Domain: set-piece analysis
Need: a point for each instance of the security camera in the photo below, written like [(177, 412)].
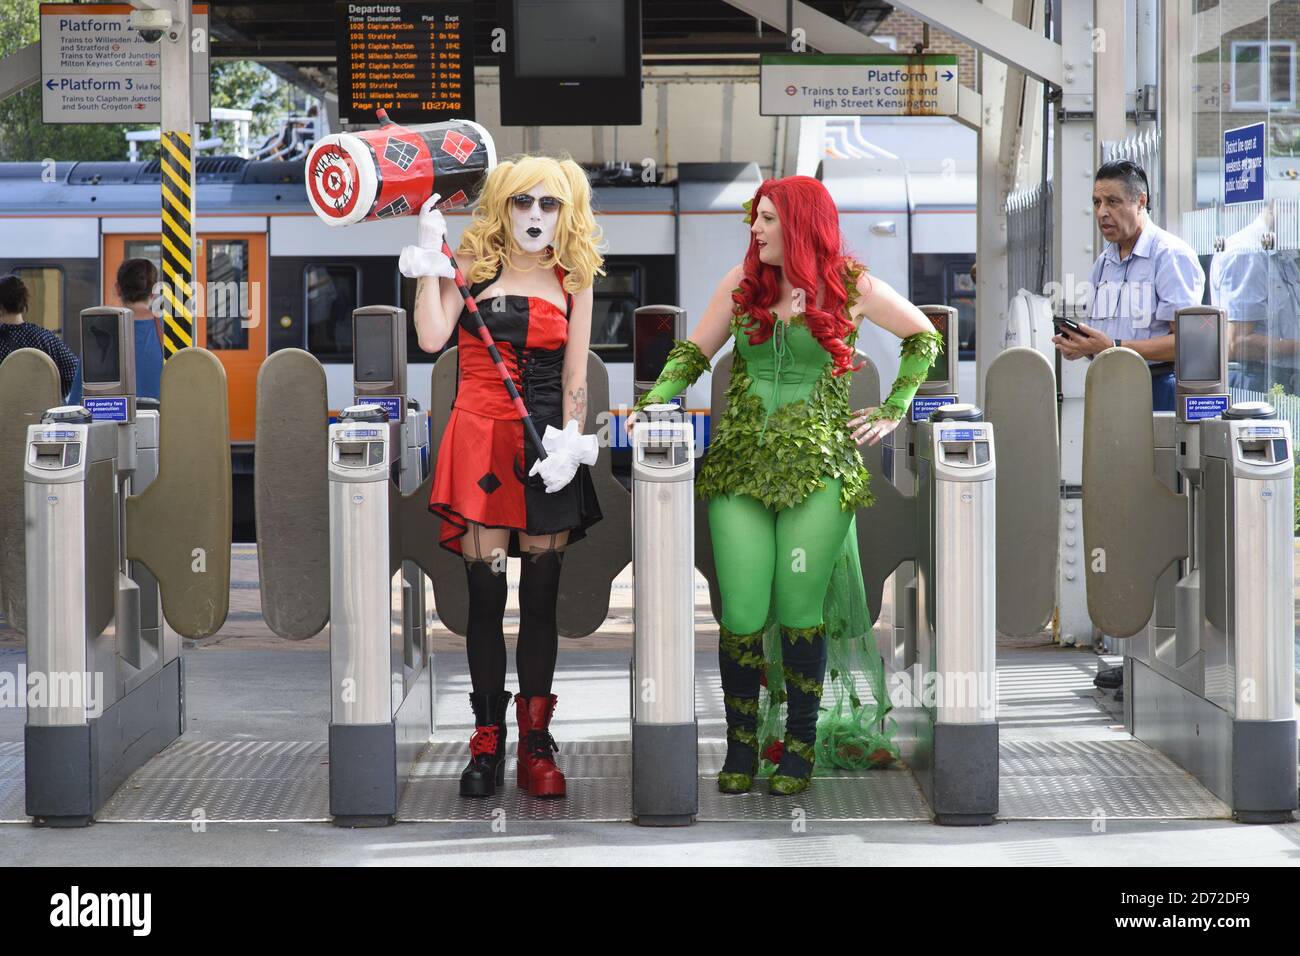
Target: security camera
[(150, 24)]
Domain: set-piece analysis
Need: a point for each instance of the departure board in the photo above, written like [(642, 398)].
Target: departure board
[(414, 60)]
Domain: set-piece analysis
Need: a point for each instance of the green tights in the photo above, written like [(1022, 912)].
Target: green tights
[(754, 546)]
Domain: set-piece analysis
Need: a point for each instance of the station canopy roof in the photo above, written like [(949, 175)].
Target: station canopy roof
[(296, 40)]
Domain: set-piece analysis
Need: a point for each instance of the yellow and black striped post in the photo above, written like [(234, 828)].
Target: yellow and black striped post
[(177, 241)]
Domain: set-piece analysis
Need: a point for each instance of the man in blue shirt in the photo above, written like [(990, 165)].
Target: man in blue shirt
[(135, 282), (1142, 277)]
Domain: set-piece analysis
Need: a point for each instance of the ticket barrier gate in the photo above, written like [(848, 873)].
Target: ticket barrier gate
[(341, 536), (586, 579), (945, 520), (1188, 530), (119, 560)]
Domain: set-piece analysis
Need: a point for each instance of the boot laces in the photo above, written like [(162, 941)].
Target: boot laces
[(540, 744), (484, 742)]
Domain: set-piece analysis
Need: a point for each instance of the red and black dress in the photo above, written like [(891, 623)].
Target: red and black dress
[(483, 461)]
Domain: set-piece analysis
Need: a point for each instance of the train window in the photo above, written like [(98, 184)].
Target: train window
[(150, 249), (227, 293), (45, 296), (615, 299), (330, 293)]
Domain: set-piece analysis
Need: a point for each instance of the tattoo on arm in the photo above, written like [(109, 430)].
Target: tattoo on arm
[(578, 405)]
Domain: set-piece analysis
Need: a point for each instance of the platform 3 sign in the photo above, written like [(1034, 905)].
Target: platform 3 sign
[(875, 85), (96, 69)]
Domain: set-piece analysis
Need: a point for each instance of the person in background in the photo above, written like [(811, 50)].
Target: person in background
[(17, 333), (135, 281), (1142, 277)]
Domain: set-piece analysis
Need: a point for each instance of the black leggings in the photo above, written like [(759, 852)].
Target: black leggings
[(484, 550)]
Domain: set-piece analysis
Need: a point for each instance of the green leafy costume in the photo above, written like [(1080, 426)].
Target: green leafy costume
[(784, 480)]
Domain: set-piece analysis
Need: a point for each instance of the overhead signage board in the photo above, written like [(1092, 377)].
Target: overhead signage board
[(806, 84), (96, 69), (414, 60), (1243, 164)]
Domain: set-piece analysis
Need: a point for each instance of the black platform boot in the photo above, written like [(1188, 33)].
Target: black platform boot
[(803, 658), (487, 748)]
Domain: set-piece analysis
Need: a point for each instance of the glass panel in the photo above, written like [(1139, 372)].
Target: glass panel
[(1245, 74), (1282, 75), (149, 249), (330, 296), (44, 296), (615, 299), (227, 293)]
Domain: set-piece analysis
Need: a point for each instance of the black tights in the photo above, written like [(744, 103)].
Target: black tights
[(539, 584)]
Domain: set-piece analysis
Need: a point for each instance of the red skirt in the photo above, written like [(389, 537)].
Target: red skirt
[(481, 475)]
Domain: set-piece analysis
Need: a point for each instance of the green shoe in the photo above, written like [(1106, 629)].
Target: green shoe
[(735, 782), (783, 786), (796, 755)]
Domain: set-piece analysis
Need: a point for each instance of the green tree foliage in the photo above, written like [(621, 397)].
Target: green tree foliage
[(24, 137)]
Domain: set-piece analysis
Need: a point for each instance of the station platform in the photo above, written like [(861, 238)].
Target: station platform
[(254, 759)]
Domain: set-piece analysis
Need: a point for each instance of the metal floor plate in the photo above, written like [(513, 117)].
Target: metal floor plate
[(600, 789), (1098, 779), (13, 796), (243, 781), (256, 781)]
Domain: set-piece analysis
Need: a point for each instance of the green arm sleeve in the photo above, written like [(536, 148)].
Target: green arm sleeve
[(684, 365), (919, 352)]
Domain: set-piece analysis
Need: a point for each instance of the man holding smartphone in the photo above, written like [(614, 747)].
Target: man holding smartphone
[(1143, 275)]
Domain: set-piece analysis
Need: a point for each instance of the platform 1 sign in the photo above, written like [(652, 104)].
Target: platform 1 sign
[(874, 85), (96, 69)]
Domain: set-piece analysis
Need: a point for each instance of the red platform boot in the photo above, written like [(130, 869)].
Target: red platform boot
[(538, 773)]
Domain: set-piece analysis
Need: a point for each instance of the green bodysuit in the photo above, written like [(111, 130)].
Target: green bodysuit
[(784, 479)]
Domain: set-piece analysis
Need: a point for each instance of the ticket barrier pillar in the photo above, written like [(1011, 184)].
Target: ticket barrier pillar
[(1198, 577), (119, 563), (336, 528), (665, 735)]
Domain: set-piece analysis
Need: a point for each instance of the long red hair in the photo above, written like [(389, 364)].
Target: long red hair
[(814, 257)]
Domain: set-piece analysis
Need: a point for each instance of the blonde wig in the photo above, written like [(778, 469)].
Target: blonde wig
[(576, 248)]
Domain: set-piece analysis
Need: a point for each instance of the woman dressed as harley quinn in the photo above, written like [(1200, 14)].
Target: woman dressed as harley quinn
[(784, 479), (531, 256)]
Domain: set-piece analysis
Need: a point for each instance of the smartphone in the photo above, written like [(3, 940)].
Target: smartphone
[(1066, 326)]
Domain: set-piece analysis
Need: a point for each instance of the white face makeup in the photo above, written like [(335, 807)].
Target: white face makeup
[(531, 226)]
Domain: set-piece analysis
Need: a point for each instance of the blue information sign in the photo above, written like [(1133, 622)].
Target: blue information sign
[(923, 406), (106, 409), (391, 404), (1199, 407), (1243, 164)]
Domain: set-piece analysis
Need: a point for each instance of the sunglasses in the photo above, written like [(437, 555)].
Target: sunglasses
[(524, 202)]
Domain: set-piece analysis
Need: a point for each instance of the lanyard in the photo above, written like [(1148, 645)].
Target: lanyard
[(1118, 298)]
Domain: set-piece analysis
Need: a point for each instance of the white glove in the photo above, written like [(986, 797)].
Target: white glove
[(565, 451), (583, 449), (427, 258)]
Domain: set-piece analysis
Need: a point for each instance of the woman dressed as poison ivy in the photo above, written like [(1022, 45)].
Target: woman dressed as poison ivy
[(784, 479)]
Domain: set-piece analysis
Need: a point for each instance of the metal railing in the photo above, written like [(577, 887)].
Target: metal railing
[(1029, 239)]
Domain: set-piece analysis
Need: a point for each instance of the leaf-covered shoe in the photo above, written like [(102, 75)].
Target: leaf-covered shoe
[(738, 769), (794, 773)]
